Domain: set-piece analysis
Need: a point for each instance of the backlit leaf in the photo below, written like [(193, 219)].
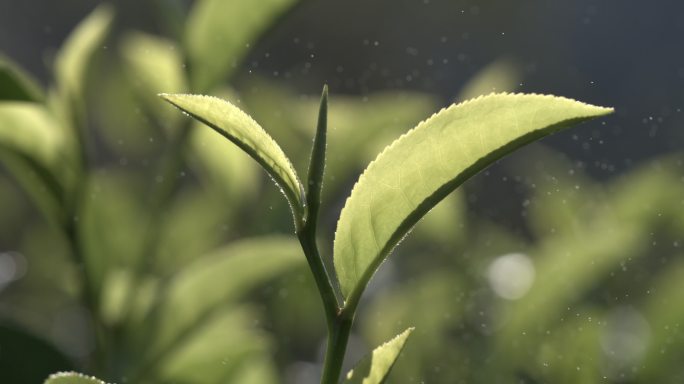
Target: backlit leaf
[(30, 129), (195, 292), (241, 129), (373, 369), (72, 378), (423, 166)]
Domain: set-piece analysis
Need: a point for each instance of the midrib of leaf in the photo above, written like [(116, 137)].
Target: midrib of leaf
[(353, 284)]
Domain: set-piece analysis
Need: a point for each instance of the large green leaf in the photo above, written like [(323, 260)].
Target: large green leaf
[(241, 129), (15, 84), (373, 369), (219, 34), (72, 378), (71, 64), (423, 166)]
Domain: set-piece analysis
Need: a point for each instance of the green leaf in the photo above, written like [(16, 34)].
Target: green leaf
[(154, 65), (219, 34), (216, 350), (241, 129), (194, 294), (423, 166), (45, 191), (72, 378), (31, 147), (15, 84), (71, 64), (373, 369), (358, 128), (30, 129)]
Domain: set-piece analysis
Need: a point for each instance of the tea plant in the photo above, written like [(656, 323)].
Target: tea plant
[(404, 182)]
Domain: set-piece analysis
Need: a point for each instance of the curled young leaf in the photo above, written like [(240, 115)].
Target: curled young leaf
[(423, 166)]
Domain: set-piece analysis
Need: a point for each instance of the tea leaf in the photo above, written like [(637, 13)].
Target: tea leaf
[(219, 34), (72, 378), (224, 167), (502, 75), (193, 294), (154, 65), (241, 129), (30, 129), (217, 349), (15, 84), (71, 64), (30, 147), (423, 166), (373, 369)]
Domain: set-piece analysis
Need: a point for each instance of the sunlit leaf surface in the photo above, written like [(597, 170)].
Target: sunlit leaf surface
[(72, 378), (419, 169), (373, 369), (238, 127)]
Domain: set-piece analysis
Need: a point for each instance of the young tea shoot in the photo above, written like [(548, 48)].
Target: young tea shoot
[(396, 190)]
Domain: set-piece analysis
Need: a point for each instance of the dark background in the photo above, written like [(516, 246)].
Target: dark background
[(624, 54)]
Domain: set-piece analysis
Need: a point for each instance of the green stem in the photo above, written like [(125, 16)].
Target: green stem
[(338, 335), (307, 239)]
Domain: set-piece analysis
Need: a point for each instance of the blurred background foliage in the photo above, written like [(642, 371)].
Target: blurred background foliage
[(139, 248)]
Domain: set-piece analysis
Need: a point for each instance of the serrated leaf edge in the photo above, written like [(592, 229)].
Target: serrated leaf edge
[(404, 335), (72, 374), (300, 199), (362, 177)]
